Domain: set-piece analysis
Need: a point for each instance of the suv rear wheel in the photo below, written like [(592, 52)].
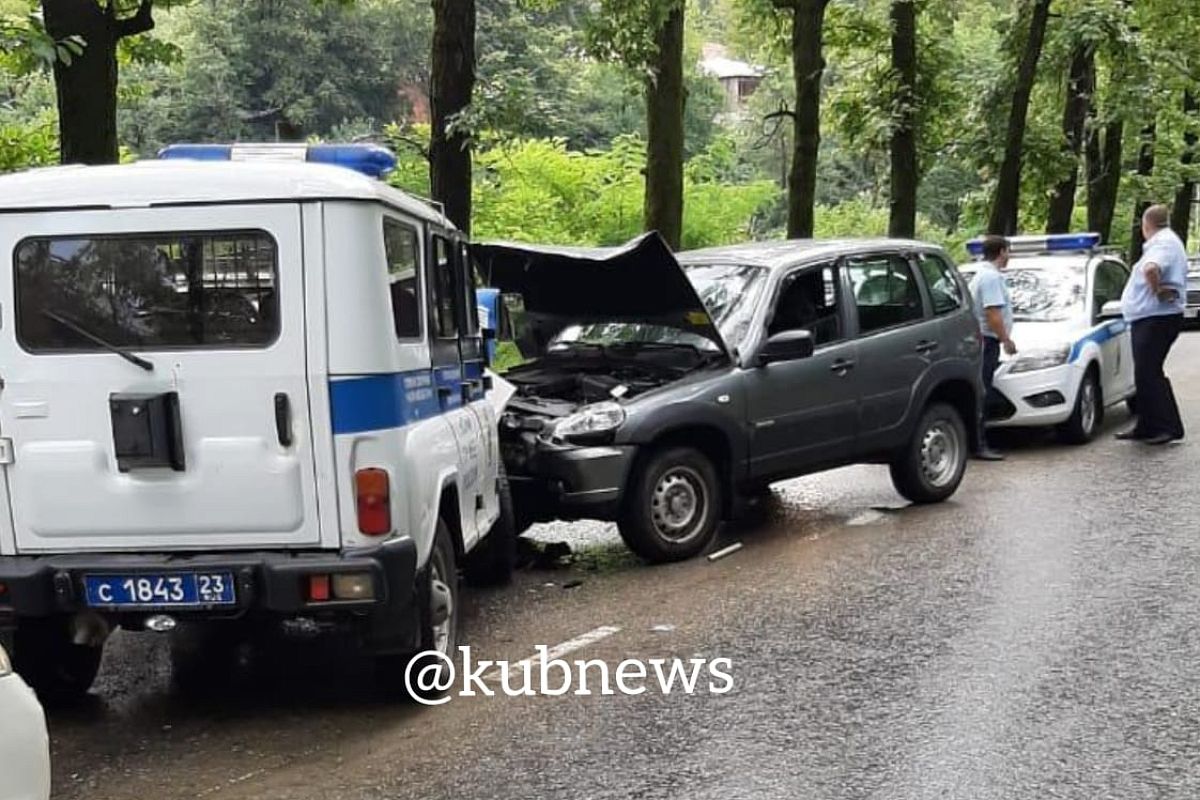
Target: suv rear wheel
[(931, 466), (673, 507), (59, 670)]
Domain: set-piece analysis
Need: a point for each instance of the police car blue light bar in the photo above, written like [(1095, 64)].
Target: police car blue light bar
[(1050, 243), (369, 159)]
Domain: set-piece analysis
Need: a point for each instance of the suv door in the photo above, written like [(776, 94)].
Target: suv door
[(898, 340), (804, 414)]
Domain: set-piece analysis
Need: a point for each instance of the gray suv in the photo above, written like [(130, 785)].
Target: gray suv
[(663, 390)]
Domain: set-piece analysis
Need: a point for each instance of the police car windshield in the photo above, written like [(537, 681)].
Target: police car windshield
[(1045, 289), (729, 293)]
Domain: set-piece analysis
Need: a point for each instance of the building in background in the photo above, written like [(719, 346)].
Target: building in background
[(738, 78)]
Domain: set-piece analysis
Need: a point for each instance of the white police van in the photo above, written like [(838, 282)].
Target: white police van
[(1074, 357), (242, 392)]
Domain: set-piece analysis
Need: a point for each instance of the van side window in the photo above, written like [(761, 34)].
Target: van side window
[(809, 302), (467, 271), (944, 288), (148, 291), (444, 292), (885, 292), (400, 246)]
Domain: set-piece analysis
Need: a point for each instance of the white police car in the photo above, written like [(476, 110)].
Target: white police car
[(242, 393), (1074, 358)]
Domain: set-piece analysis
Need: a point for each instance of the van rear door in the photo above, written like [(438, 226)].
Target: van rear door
[(154, 387)]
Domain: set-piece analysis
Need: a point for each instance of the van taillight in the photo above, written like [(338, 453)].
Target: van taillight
[(373, 495)]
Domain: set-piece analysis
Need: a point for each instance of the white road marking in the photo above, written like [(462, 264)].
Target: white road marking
[(569, 646)]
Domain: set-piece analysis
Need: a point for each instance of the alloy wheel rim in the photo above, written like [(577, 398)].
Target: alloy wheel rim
[(679, 504), (1087, 406), (940, 454), (441, 601)]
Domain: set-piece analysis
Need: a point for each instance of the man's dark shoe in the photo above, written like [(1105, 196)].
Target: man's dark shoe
[(1160, 438), (1131, 435), (988, 454)]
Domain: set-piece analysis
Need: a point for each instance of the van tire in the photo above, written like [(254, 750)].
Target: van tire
[(491, 562), (391, 669), (649, 516), (919, 472), (60, 671)]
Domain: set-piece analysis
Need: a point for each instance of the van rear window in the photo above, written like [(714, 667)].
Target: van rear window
[(147, 291)]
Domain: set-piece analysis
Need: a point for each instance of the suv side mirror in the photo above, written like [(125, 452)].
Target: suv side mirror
[(1111, 310), (786, 346)]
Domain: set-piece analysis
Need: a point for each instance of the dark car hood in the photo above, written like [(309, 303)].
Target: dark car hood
[(561, 286)]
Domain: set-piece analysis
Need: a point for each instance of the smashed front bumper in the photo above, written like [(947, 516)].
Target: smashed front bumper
[(552, 480)]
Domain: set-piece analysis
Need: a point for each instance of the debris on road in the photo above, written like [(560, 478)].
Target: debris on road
[(725, 551)]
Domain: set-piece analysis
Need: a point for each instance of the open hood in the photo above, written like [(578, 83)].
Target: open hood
[(561, 286)]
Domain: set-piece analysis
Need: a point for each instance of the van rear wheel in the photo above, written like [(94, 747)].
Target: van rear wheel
[(930, 467), (438, 611), (674, 506), (59, 670)]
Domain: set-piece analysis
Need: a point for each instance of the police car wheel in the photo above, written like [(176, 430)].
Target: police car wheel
[(438, 602), (59, 670), (491, 562), (1083, 424), (930, 467), (673, 508)]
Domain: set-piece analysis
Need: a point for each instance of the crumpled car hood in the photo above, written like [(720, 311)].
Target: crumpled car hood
[(641, 281)]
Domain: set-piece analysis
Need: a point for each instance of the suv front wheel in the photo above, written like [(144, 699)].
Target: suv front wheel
[(931, 466), (673, 507)]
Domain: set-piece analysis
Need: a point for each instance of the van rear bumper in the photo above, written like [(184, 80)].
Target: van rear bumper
[(267, 583)]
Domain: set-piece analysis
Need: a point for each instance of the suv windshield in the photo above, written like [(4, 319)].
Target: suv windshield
[(1045, 295), (729, 293)]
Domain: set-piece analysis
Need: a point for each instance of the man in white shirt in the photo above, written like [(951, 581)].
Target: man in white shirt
[(993, 311), (1153, 304)]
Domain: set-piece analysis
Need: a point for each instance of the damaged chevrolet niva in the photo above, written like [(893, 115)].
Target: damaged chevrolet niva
[(660, 392)]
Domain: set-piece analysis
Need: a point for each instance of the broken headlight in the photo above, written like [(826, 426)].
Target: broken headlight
[(590, 420)]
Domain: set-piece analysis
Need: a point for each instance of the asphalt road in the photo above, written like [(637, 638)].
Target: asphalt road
[(1036, 637)]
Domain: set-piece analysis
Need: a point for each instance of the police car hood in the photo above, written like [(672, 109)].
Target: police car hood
[(639, 282), (1036, 336)]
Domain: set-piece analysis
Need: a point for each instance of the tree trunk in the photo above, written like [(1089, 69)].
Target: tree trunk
[(1081, 84), (1145, 168), (1006, 203), (452, 79), (1104, 176), (808, 64), (902, 219), (86, 89), (1181, 212), (665, 97)]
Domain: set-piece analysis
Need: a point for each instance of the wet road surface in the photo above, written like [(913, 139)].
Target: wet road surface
[(1035, 637)]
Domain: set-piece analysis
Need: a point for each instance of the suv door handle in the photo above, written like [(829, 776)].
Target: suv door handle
[(283, 419), (842, 366), (926, 346)]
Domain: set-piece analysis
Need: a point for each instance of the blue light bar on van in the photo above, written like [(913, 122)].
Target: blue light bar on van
[(369, 159), (1051, 243)]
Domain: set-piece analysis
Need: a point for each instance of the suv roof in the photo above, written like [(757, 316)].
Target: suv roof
[(183, 182), (780, 254)]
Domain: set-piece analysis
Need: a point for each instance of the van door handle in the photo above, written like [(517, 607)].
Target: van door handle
[(926, 346), (842, 366), (283, 419)]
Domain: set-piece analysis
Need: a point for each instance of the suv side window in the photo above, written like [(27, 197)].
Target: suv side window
[(445, 295), (885, 292), (945, 291), (401, 248), (809, 301), (467, 272)]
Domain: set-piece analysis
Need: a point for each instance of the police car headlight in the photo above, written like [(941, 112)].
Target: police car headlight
[(1040, 359), (589, 420)]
